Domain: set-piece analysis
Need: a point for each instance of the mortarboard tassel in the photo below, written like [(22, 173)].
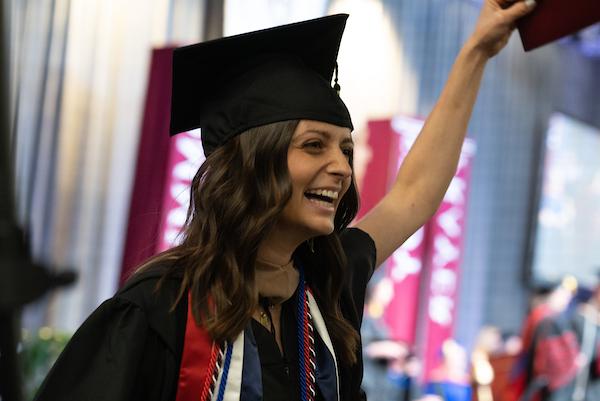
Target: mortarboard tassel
[(336, 86)]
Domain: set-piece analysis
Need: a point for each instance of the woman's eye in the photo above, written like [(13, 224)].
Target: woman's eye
[(313, 145), (348, 152)]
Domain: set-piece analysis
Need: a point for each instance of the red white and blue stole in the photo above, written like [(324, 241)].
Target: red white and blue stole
[(232, 371)]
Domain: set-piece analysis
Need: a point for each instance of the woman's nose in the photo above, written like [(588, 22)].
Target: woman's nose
[(340, 164)]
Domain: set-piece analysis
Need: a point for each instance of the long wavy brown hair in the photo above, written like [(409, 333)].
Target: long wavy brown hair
[(237, 196)]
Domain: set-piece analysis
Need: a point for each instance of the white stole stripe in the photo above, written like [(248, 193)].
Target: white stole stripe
[(233, 387), (322, 330)]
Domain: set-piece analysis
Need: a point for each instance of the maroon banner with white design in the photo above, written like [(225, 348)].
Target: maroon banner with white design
[(404, 267), (151, 173), (185, 158), (403, 270), (381, 166), (429, 259), (444, 256), (165, 168), (389, 142)]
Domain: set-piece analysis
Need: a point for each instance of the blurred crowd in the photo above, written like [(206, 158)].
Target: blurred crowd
[(555, 357)]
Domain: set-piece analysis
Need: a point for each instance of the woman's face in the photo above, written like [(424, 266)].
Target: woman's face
[(319, 167)]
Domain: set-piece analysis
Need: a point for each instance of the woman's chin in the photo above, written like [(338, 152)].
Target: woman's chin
[(320, 228)]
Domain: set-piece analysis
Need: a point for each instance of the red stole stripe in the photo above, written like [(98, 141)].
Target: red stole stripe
[(195, 359)]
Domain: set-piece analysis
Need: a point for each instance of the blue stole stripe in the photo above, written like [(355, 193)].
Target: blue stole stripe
[(326, 379), (225, 371), (251, 377)]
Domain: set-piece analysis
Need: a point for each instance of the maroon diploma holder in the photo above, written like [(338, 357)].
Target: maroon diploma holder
[(553, 19)]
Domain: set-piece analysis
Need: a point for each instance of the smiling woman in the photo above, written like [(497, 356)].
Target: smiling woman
[(263, 299), (319, 162)]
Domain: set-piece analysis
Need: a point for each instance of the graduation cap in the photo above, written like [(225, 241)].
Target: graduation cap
[(229, 85)]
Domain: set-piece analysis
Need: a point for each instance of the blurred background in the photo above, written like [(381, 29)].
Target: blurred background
[(99, 186)]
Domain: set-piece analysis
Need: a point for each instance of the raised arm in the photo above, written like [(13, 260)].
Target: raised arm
[(431, 163)]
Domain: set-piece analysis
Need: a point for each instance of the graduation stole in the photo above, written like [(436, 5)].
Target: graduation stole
[(232, 371)]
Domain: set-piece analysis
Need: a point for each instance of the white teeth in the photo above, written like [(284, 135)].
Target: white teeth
[(324, 192), (322, 203)]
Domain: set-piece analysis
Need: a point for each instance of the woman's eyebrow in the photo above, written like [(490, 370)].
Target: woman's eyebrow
[(327, 135), (317, 131), (347, 140)]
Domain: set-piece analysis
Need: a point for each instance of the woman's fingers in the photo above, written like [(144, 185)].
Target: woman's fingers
[(519, 9), (506, 3), (497, 21)]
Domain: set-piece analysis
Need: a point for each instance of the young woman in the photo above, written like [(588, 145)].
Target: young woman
[(263, 298)]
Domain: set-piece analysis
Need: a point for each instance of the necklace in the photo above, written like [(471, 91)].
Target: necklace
[(264, 319), (221, 353), (275, 265), (265, 314)]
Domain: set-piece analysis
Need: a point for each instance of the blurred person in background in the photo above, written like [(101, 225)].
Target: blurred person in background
[(263, 298), (377, 349), (405, 374), (549, 357), (451, 380), (492, 361), (586, 324), (392, 370), (488, 345), (385, 356)]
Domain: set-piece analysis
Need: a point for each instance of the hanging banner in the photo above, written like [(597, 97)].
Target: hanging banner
[(429, 260), (185, 158), (389, 142), (383, 148), (444, 256), (164, 170), (404, 267), (151, 169)]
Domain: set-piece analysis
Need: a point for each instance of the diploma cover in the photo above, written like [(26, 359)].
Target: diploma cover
[(553, 19)]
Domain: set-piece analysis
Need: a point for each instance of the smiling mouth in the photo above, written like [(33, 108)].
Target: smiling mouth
[(322, 197)]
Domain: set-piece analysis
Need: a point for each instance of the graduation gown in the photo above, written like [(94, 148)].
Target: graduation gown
[(130, 348), (548, 365)]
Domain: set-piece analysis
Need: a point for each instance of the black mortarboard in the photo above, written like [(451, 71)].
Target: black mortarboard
[(229, 85)]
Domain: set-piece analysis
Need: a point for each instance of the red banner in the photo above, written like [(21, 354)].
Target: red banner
[(165, 169), (185, 158), (429, 259), (381, 167), (444, 256), (389, 142), (151, 172), (404, 267)]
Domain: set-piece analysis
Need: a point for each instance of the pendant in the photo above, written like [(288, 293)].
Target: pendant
[(264, 320)]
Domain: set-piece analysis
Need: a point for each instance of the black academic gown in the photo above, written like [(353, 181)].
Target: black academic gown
[(130, 348)]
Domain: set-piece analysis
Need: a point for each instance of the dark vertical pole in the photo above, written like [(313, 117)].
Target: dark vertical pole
[(10, 378), (6, 196), (213, 20)]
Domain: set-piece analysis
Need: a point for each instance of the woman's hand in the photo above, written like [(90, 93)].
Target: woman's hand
[(496, 22)]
